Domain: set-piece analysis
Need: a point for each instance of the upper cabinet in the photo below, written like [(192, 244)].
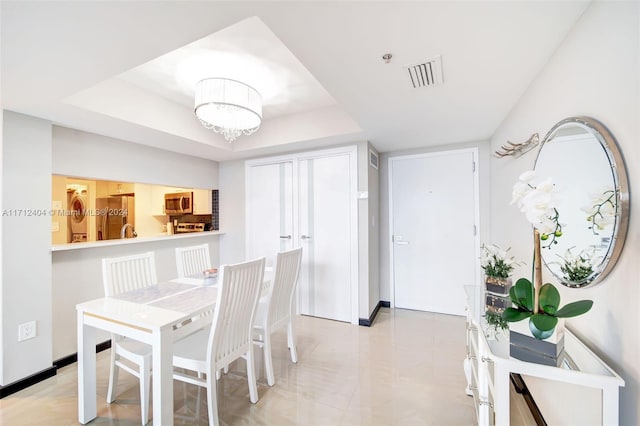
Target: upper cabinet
[(157, 200), (202, 201), (120, 188)]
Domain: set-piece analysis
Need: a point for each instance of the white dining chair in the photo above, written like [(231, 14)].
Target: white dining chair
[(192, 260), (121, 274), (276, 309), (208, 351)]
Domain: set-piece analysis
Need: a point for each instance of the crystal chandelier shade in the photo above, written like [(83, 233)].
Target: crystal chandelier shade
[(228, 107)]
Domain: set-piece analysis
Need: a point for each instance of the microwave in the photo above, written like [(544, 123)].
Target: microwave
[(178, 203)]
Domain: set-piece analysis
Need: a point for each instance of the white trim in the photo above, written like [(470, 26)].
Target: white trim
[(125, 241), (476, 201), (352, 150)]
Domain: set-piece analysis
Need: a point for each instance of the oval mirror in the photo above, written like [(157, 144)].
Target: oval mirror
[(586, 166)]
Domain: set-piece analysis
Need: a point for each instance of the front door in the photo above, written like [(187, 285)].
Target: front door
[(434, 227)]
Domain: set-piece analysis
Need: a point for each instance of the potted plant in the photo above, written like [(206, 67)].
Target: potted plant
[(495, 324), (577, 268), (535, 301), (497, 265), (542, 321)]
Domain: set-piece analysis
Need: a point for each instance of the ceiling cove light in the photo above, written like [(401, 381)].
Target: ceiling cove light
[(228, 107)]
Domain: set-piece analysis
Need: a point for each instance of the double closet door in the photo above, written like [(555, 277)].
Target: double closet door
[(309, 201)]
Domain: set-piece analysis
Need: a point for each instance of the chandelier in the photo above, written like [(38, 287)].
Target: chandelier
[(228, 107)]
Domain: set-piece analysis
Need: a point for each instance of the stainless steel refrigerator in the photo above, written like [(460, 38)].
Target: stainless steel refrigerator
[(112, 213)]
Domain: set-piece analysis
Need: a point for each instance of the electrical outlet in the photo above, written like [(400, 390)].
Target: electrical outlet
[(27, 331)]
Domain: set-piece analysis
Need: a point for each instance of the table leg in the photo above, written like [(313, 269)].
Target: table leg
[(501, 397), (163, 378), (610, 409), (87, 410)]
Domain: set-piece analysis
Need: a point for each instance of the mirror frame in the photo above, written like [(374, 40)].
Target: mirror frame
[(621, 184)]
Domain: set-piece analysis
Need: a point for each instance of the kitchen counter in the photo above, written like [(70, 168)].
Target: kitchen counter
[(160, 237)]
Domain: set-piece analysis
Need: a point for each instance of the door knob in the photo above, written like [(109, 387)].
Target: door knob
[(305, 237), (285, 237)]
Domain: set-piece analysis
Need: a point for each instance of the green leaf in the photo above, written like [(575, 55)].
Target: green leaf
[(574, 309), (515, 315), (512, 295), (522, 294), (544, 322), (549, 299)]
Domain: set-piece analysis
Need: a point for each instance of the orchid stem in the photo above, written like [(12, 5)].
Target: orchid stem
[(537, 275)]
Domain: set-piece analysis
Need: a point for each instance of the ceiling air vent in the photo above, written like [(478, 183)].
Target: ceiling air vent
[(427, 73)]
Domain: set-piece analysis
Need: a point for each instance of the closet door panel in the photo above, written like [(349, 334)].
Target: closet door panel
[(325, 235), (270, 210)]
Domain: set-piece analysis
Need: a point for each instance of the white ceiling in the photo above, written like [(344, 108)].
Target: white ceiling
[(109, 68)]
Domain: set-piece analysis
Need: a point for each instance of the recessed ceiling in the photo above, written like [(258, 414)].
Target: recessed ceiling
[(110, 68), (247, 51)]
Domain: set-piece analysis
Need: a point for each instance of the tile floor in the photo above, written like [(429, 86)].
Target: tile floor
[(404, 370)]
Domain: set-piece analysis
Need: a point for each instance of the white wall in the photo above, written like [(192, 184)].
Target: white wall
[(374, 231), (595, 72), (33, 149), (484, 154), (26, 239), (368, 270), (82, 154)]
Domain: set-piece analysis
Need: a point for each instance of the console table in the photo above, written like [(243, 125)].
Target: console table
[(488, 367)]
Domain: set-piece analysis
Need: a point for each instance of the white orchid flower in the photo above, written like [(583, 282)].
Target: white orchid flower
[(537, 200), (601, 210), (527, 176)]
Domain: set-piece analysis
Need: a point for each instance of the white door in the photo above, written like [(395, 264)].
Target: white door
[(326, 225), (434, 223), (270, 210)]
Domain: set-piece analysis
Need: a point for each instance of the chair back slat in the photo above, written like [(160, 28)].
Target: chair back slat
[(126, 273), (192, 260), (238, 293), (285, 279)]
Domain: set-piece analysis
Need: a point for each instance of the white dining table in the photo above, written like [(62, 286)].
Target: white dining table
[(157, 315)]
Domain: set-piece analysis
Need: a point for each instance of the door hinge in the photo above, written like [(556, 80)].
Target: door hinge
[(475, 230), (473, 166)]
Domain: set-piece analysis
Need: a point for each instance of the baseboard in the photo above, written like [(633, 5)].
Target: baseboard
[(70, 359), (367, 322), (385, 304), (47, 373), (521, 387), (26, 382)]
